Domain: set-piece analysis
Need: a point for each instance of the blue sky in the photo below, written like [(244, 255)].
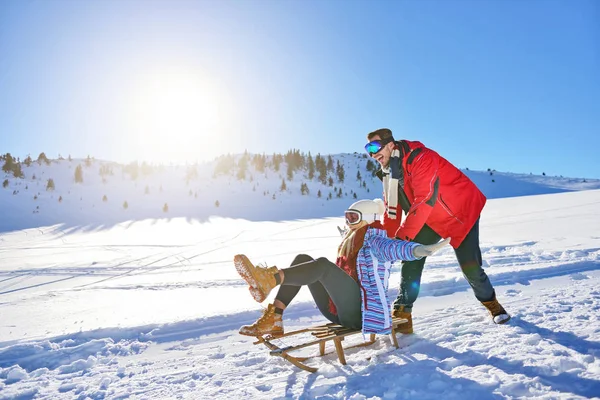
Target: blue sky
[(509, 85)]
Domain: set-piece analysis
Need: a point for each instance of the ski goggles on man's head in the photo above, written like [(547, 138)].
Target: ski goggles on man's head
[(353, 217), (375, 146)]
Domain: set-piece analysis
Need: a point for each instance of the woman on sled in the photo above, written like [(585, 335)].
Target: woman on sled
[(353, 291)]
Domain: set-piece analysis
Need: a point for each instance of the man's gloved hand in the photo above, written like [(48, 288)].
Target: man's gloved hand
[(425, 250)]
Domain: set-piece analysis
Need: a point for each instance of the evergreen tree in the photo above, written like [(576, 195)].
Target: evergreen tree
[(17, 172), (5, 183), (283, 186), (28, 161), (78, 174), (330, 181), (358, 177), (165, 208), (224, 165), (322, 168), (319, 168), (50, 184), (304, 189), (289, 157), (311, 167), (217, 204), (340, 172), (277, 159), (302, 160), (319, 194), (125, 205), (104, 198), (241, 174), (104, 170), (42, 158), (371, 166), (290, 171), (9, 161), (259, 162), (295, 158), (242, 166)]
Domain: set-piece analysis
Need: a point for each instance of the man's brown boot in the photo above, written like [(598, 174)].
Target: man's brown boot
[(269, 324), (498, 313), (405, 327)]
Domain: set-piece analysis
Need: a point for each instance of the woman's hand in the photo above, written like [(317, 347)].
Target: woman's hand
[(425, 250)]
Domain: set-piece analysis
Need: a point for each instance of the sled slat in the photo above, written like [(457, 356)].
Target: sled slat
[(321, 335)]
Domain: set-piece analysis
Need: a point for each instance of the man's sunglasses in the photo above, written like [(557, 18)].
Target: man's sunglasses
[(353, 217), (376, 145)]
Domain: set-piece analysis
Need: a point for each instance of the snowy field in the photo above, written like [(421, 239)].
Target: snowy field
[(151, 308)]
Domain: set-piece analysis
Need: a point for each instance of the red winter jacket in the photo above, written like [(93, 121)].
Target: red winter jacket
[(440, 195)]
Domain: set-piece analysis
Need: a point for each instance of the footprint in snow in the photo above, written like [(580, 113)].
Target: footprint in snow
[(578, 276), (512, 292)]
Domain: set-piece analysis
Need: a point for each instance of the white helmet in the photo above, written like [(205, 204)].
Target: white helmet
[(365, 210)]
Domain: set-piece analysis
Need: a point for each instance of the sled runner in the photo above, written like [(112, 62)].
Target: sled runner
[(320, 336)]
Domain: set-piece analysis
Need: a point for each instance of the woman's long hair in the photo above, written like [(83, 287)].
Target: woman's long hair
[(349, 245)]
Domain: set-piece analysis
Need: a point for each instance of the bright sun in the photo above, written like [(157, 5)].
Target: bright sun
[(174, 114)]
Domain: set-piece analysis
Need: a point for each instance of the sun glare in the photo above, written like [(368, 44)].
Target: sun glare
[(174, 114)]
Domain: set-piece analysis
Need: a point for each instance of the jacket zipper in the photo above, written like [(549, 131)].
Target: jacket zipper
[(443, 203)]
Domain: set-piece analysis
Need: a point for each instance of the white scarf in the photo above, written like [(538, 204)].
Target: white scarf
[(391, 180)]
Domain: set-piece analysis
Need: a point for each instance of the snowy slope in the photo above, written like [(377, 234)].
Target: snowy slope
[(149, 308)]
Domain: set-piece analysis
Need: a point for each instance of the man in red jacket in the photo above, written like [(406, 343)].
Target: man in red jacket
[(438, 201)]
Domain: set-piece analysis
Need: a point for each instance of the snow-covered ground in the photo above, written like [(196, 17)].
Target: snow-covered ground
[(101, 301), (151, 308)]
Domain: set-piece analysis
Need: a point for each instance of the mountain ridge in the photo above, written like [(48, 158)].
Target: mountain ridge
[(215, 189)]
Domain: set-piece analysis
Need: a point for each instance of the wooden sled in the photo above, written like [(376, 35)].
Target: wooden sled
[(320, 336)]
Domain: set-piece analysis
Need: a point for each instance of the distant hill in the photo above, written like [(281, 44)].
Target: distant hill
[(505, 184), (241, 186)]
